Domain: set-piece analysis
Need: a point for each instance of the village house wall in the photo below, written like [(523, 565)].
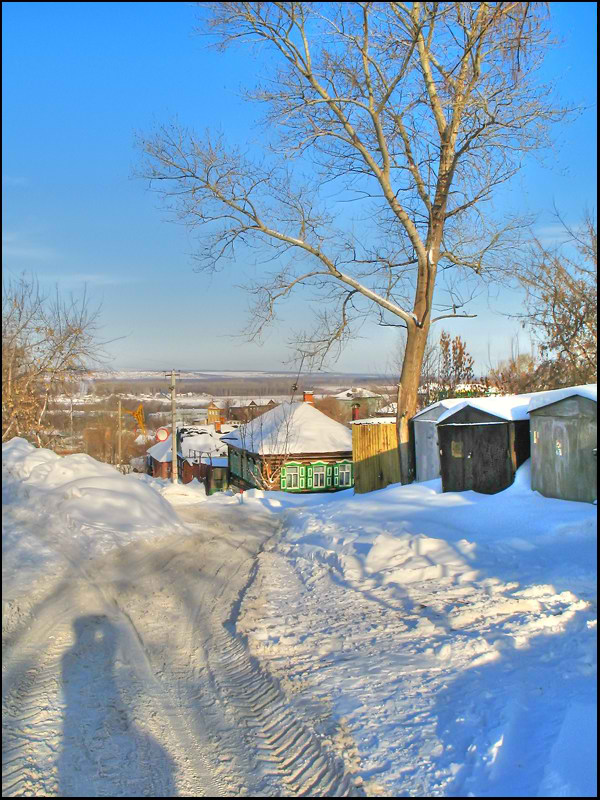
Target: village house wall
[(244, 467)]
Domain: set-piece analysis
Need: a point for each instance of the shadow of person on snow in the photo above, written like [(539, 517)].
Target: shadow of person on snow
[(104, 753)]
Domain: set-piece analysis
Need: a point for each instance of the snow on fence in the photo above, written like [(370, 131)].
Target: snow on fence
[(375, 456)]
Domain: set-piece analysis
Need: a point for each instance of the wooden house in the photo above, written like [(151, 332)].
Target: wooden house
[(564, 442), (293, 447), (482, 442), (215, 412)]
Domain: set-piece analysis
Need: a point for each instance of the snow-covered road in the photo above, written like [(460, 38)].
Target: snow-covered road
[(128, 679), (407, 642)]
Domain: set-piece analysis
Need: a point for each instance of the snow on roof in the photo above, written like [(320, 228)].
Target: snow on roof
[(541, 399), (374, 421), (161, 451), (292, 428), (448, 402), (203, 440), (513, 406), (389, 409), (510, 407)]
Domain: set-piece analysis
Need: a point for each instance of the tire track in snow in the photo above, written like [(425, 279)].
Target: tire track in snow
[(285, 746)]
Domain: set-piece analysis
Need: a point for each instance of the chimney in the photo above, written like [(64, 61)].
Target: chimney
[(218, 425), (355, 411), (308, 397)]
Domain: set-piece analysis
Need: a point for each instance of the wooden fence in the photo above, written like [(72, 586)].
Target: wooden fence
[(375, 456)]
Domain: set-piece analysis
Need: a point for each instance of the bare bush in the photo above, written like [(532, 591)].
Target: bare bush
[(48, 341)]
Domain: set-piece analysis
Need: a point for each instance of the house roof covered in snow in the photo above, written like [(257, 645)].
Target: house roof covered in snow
[(292, 428), (541, 399), (201, 440)]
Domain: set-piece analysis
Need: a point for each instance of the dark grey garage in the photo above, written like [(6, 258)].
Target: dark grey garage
[(480, 449)]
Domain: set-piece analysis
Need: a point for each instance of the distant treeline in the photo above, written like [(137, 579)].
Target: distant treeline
[(221, 387)]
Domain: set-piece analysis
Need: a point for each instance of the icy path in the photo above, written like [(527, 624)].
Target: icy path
[(126, 677)]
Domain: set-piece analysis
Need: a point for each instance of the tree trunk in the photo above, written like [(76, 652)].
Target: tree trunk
[(407, 399)]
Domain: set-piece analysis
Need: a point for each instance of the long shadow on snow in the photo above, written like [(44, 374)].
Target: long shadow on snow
[(103, 752)]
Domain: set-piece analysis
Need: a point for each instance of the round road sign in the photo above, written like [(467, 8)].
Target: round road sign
[(162, 434)]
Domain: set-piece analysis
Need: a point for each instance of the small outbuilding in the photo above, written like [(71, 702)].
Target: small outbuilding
[(564, 443), (482, 442), (427, 449)]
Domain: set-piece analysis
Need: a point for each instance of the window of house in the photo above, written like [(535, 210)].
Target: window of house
[(318, 477), (345, 472), (291, 474)]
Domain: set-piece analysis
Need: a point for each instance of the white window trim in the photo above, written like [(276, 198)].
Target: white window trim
[(294, 473), (345, 469), (318, 471)]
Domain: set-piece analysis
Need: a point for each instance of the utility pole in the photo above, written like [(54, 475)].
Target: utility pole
[(119, 439), (174, 428)]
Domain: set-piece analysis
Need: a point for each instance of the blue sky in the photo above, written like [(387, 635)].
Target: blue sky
[(80, 79)]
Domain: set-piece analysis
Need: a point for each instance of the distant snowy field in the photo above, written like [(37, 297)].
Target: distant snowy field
[(443, 644)]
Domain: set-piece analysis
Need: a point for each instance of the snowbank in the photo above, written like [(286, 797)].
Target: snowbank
[(177, 494), (44, 494)]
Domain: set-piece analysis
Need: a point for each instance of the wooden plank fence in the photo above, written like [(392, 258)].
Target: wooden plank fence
[(375, 456)]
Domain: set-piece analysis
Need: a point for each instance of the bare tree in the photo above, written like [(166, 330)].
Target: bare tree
[(47, 342), (415, 112), (268, 440), (561, 283)]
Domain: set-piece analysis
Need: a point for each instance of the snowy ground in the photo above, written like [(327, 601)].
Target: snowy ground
[(401, 643)]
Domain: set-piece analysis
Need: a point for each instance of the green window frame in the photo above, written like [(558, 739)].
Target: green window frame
[(302, 472)]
